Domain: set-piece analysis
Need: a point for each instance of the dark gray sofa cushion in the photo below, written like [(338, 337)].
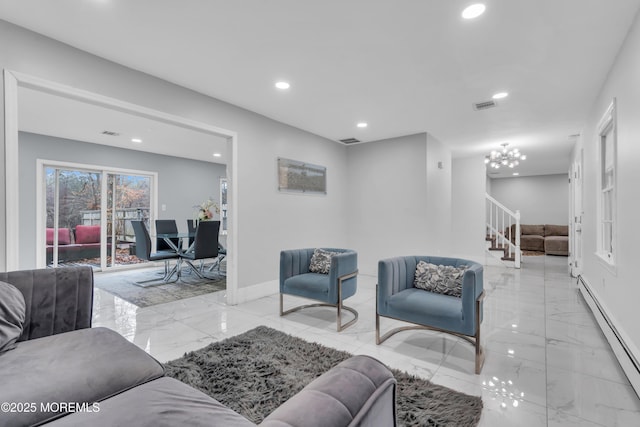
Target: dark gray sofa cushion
[(87, 365), (162, 402), (12, 314), (57, 299)]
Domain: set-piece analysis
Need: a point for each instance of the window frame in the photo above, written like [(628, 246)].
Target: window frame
[(607, 143), (41, 203)]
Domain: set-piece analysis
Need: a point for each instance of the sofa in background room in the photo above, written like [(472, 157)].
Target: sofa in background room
[(547, 238)]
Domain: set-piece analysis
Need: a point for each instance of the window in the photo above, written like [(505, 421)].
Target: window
[(607, 142), (223, 205)]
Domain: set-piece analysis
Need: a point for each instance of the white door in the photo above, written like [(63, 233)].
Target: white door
[(575, 221)]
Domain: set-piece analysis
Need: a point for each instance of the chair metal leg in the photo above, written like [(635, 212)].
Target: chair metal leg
[(197, 271), (478, 346), (339, 306), (165, 278), (474, 340), (194, 269)]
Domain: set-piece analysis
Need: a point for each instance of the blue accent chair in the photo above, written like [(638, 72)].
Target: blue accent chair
[(398, 299), (331, 289)]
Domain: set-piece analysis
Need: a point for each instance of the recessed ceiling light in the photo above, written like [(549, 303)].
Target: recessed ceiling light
[(362, 125), (136, 140), (473, 11), (283, 85), (516, 174), (217, 155), (500, 95)]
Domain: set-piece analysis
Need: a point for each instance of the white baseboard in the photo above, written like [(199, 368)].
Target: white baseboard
[(258, 290), (624, 349)]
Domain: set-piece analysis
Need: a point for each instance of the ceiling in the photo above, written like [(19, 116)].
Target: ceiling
[(403, 66), (46, 114)]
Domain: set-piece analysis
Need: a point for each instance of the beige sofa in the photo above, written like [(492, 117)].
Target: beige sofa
[(547, 238)]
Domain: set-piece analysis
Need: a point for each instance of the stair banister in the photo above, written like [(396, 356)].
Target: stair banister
[(500, 221)]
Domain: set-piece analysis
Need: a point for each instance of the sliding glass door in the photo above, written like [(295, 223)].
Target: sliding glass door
[(89, 212), (128, 198), (73, 198)]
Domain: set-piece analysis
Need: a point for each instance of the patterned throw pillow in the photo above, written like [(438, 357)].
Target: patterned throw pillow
[(321, 261), (12, 316), (442, 279)]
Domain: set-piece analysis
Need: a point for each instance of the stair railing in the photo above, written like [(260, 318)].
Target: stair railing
[(503, 229)]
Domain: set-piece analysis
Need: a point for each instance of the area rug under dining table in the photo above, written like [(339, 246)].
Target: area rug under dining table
[(123, 284), (255, 372)]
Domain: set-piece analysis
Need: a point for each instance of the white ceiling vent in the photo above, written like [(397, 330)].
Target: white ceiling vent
[(110, 133), (349, 141), (484, 105)]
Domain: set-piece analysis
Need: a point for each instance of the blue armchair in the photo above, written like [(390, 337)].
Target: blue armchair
[(397, 298), (332, 288)]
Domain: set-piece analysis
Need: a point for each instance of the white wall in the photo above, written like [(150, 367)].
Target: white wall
[(468, 208), (399, 200), (618, 291), (268, 221), (387, 207), (438, 197), (177, 189), (540, 199)]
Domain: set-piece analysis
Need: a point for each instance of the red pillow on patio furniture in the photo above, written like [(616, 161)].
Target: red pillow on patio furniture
[(64, 236), (88, 234)]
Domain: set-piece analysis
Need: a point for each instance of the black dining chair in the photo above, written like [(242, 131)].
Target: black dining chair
[(222, 254), (191, 228), (166, 226), (143, 251), (205, 245)]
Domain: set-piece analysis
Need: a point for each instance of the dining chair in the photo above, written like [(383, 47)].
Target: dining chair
[(166, 226), (191, 228), (143, 251), (222, 254), (205, 245)]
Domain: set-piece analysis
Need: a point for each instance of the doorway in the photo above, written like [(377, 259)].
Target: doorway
[(15, 80), (576, 212)]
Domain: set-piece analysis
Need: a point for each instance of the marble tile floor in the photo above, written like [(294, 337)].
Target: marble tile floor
[(547, 362)]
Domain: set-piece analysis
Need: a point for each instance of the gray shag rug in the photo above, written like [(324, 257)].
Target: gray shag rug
[(256, 372), (122, 284)]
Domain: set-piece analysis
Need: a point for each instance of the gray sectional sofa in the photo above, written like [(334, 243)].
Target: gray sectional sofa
[(63, 372)]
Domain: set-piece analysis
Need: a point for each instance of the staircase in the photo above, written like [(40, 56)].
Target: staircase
[(503, 232)]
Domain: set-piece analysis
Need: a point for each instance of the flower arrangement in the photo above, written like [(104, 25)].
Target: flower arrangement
[(205, 210)]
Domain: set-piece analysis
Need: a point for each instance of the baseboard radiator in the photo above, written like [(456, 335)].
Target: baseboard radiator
[(625, 355)]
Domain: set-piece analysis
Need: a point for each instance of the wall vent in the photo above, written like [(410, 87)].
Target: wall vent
[(110, 133), (484, 105), (349, 141)]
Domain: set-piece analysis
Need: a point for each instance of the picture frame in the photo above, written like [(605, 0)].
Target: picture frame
[(300, 177)]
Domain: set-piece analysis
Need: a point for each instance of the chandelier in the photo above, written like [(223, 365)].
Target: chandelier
[(504, 157)]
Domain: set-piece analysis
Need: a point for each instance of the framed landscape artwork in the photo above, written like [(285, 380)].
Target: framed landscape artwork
[(300, 177)]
